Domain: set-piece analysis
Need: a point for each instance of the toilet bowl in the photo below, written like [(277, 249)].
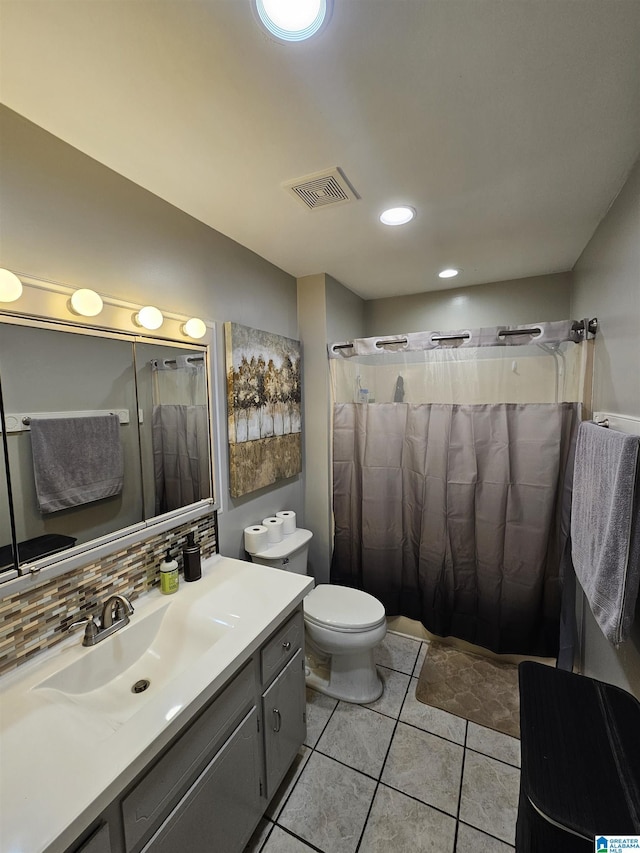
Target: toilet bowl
[(343, 626)]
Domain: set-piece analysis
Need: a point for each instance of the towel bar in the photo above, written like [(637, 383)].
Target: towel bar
[(19, 422), (623, 423)]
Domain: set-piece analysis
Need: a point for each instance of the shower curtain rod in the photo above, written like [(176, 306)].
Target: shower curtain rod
[(189, 358), (577, 326)]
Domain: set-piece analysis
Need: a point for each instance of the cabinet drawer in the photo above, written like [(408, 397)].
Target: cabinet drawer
[(282, 647), (148, 803)]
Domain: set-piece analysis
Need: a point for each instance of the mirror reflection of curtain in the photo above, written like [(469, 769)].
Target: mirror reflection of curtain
[(180, 432), (452, 507)]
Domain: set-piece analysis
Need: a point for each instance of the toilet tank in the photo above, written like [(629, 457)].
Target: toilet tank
[(291, 554)]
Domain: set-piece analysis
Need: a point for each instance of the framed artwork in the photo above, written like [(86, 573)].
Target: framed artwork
[(263, 408)]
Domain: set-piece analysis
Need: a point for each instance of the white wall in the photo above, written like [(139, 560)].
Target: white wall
[(607, 285), (67, 218)]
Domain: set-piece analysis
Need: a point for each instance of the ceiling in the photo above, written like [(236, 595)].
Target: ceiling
[(509, 125)]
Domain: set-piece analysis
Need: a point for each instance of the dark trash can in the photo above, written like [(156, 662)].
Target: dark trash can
[(580, 775)]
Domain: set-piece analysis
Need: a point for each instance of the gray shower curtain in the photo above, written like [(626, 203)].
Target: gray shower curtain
[(180, 431), (457, 515), (180, 455)]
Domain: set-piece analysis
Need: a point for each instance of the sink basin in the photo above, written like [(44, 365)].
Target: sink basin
[(116, 677)]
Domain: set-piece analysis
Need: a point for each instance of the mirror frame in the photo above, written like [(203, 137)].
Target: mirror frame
[(78, 555)]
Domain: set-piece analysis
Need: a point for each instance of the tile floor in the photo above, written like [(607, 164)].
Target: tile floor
[(394, 776)]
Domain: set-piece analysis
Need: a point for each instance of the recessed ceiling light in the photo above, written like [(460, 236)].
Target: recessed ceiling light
[(293, 20), (397, 215), (448, 273)]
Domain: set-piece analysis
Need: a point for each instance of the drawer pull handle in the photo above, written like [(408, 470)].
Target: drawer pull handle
[(286, 645), (277, 720)]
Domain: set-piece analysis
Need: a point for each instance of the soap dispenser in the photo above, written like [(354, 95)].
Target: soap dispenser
[(169, 575), (191, 560)]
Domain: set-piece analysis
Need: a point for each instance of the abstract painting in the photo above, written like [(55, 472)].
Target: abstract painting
[(263, 408)]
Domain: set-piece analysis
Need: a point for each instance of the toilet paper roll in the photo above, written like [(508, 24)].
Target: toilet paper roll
[(289, 518), (255, 538), (274, 529)]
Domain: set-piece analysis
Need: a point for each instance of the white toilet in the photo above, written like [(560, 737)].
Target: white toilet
[(342, 627)]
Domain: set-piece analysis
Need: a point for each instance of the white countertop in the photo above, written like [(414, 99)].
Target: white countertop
[(62, 763)]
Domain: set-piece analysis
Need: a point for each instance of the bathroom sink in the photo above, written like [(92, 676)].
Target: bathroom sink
[(116, 677)]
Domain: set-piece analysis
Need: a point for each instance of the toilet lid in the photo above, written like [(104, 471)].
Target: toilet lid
[(343, 608)]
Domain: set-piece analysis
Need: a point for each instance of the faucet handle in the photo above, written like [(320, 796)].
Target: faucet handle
[(123, 607), (91, 630)]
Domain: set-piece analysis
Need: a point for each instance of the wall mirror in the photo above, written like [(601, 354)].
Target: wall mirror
[(159, 392)]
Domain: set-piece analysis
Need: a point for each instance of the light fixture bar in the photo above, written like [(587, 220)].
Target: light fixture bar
[(72, 305)]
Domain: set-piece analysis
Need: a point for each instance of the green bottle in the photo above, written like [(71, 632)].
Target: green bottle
[(168, 575)]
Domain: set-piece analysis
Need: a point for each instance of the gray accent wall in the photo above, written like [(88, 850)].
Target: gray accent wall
[(327, 311), (68, 218), (607, 285), (525, 300), (345, 312)]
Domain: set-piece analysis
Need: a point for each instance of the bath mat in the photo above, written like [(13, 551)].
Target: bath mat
[(471, 686)]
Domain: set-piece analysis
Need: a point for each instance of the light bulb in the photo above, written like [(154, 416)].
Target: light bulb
[(10, 286), (195, 328), (149, 317), (397, 215), (86, 302), (448, 273)]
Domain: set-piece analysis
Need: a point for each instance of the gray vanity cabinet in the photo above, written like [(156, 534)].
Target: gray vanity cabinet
[(283, 699), (284, 715)]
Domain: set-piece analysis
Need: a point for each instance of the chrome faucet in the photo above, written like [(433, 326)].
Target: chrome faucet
[(115, 615)]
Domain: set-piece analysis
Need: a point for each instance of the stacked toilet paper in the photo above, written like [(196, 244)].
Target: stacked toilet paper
[(288, 517), (272, 530)]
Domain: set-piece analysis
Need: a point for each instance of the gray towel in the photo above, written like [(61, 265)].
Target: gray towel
[(76, 460), (605, 526)]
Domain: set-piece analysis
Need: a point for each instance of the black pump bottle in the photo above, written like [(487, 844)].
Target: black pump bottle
[(191, 560)]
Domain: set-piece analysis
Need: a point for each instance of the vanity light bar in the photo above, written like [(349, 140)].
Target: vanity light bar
[(85, 302)]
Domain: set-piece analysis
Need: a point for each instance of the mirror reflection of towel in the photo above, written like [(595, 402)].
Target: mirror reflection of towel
[(76, 460)]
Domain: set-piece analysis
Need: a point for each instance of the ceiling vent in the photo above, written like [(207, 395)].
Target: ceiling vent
[(324, 189)]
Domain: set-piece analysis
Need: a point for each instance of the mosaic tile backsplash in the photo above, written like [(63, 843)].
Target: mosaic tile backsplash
[(33, 621)]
